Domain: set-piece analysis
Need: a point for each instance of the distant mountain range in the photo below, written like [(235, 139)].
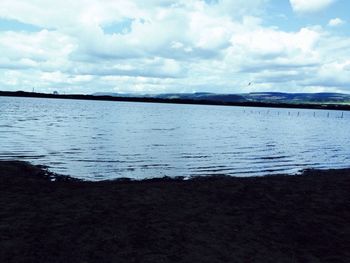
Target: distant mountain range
[(264, 97)]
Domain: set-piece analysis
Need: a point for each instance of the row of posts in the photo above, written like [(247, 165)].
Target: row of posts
[(289, 113)]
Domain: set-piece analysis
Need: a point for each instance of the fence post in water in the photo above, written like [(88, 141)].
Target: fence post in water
[(298, 113), (314, 114), (328, 115), (342, 114)]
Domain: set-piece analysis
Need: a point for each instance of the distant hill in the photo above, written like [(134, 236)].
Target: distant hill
[(265, 97), (330, 101)]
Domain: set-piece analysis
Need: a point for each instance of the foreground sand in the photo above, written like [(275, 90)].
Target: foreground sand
[(270, 219)]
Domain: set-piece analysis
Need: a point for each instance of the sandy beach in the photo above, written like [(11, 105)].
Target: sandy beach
[(303, 218)]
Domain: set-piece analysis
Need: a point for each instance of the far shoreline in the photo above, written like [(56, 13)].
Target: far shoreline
[(23, 94)]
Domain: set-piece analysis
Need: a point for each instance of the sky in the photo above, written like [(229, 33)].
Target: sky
[(161, 46)]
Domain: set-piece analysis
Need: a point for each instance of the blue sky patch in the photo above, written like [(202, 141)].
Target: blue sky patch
[(15, 25), (121, 27)]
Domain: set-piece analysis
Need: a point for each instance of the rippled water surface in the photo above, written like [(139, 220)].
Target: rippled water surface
[(98, 140)]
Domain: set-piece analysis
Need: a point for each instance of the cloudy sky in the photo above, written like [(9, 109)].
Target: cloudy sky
[(157, 46)]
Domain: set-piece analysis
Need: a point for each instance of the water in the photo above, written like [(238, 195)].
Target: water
[(98, 140)]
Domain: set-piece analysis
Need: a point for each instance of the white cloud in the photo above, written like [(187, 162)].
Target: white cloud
[(336, 22), (170, 46), (45, 50), (273, 43), (309, 6)]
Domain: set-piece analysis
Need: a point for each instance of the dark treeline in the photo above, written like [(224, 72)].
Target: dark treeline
[(175, 101)]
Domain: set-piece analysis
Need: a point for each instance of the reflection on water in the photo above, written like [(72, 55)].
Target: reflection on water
[(101, 140)]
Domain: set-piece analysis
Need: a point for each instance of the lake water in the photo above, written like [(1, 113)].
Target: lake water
[(98, 140)]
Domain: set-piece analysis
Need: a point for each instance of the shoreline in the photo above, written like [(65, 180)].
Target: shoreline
[(16, 168), (255, 104), (277, 218)]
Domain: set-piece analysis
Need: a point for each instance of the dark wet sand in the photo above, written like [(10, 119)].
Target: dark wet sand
[(271, 219)]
